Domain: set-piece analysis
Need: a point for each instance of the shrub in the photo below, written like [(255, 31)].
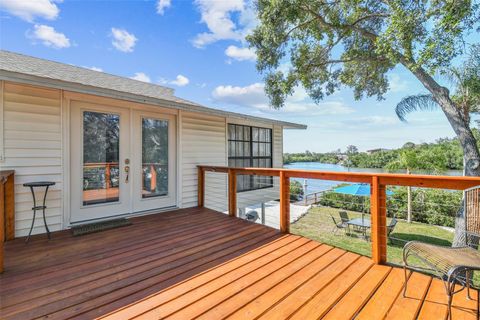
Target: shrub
[(432, 206), (296, 190)]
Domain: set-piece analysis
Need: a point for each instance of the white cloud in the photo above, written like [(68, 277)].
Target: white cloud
[(369, 121), (180, 81), (140, 76), (218, 16), (397, 84), (123, 40), (94, 68), (323, 108), (254, 96), (49, 37), (162, 5), (251, 95), (240, 54), (30, 9)]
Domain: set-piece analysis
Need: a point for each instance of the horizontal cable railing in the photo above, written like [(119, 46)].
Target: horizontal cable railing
[(375, 207)]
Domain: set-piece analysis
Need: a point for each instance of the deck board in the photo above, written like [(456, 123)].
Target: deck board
[(198, 263)]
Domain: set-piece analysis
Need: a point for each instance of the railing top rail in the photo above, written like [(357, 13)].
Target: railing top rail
[(395, 179)]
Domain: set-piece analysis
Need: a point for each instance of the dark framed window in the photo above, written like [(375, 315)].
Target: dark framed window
[(250, 147)]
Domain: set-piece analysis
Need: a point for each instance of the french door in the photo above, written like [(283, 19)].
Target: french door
[(154, 161), (122, 161)]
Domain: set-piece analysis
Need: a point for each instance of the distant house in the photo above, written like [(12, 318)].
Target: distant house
[(377, 150), (120, 147)]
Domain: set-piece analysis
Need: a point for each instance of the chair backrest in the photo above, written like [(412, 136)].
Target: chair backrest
[(252, 215), (344, 216), (393, 222), (472, 212), (391, 225), (335, 221)]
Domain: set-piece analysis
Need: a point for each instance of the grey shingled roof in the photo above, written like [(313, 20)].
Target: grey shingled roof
[(16, 66)]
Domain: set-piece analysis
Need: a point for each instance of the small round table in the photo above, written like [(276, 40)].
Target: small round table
[(39, 184)]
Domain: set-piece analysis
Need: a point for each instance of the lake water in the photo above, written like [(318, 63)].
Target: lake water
[(314, 185)]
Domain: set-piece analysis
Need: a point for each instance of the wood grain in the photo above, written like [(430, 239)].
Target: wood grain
[(199, 263)]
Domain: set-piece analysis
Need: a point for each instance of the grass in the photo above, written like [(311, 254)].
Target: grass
[(317, 225)]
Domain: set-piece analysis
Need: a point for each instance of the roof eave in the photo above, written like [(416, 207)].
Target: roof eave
[(185, 106)]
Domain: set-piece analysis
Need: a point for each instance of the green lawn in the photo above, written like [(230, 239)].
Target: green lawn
[(317, 225)]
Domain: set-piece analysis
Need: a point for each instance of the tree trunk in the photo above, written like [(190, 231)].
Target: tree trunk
[(461, 127), (409, 202)]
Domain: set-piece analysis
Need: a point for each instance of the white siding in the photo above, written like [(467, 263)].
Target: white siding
[(33, 142), (277, 147), (33, 148), (203, 142)]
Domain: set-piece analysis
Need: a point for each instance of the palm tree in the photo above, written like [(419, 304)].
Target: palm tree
[(466, 82)]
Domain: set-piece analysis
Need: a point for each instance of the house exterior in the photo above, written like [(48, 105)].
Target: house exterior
[(372, 151), (120, 147)]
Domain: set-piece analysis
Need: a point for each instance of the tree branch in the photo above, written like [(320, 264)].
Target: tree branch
[(298, 27), (350, 27)]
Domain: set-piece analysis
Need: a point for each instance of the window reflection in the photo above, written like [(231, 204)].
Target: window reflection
[(100, 157), (154, 157)]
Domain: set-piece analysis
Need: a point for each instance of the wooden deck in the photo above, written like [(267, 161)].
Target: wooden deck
[(197, 263)]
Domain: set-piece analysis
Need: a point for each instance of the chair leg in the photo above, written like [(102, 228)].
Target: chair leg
[(468, 277), (334, 230), (449, 315), (450, 289), (405, 272)]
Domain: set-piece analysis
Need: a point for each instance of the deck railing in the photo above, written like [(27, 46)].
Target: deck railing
[(7, 209), (377, 181)]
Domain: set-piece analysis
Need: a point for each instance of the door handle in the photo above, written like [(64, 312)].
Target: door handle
[(127, 171)]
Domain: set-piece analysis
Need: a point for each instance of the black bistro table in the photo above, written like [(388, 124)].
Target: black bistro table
[(32, 186), (361, 223)]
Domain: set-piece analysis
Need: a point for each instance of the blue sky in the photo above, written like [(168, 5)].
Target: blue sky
[(197, 48)]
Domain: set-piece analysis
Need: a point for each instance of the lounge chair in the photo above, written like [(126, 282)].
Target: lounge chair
[(453, 265)]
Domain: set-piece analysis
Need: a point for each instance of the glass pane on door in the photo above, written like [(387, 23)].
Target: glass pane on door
[(101, 145), (154, 157)]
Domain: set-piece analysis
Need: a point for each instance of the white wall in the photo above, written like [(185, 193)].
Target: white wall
[(33, 148), (204, 142)]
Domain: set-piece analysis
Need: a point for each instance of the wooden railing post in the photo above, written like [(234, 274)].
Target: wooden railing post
[(232, 193), (378, 208), (284, 202), (7, 210), (201, 187), (10, 207), (2, 221), (107, 176)]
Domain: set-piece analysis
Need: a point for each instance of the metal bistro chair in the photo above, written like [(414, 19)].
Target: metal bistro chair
[(252, 216), (391, 227), (339, 225), (344, 216), (454, 265)]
